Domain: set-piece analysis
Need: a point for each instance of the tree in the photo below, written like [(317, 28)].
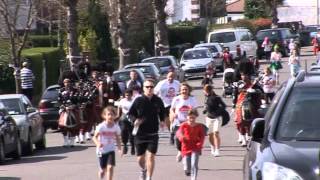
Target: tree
[(254, 9), (72, 23), (17, 19), (273, 4), (161, 41), (124, 50)]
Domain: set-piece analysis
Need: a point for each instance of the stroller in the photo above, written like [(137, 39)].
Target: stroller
[(228, 79)]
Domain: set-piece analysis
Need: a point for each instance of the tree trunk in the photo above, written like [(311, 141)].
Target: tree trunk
[(274, 14), (73, 45), (161, 34), (124, 50)]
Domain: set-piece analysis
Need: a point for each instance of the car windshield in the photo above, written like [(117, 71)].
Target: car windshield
[(211, 48), (122, 76), (311, 28), (196, 54), (272, 34), (224, 37), (51, 94), (160, 62), (143, 69), (299, 120), (13, 106)]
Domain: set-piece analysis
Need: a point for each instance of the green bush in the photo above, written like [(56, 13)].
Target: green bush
[(52, 57), (186, 34), (42, 41)]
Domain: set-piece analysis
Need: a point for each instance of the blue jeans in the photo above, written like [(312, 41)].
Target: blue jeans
[(190, 164)]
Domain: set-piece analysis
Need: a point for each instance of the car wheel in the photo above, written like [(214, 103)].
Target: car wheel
[(18, 151), (28, 148), (2, 153), (41, 144)]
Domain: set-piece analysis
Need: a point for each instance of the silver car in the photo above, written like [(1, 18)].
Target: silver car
[(217, 51), (28, 120)]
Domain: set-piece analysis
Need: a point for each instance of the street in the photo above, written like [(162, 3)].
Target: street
[(81, 163)]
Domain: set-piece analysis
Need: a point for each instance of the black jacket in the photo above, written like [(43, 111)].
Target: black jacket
[(149, 110), (214, 106)]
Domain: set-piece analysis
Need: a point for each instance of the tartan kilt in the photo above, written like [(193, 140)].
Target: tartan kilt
[(69, 119)]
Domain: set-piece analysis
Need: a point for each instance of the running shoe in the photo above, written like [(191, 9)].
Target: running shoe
[(143, 174), (179, 157), (216, 153)]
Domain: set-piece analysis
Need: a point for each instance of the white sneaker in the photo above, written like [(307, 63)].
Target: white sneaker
[(244, 141), (88, 136), (179, 157), (81, 138), (65, 141), (212, 150), (239, 138), (77, 139), (216, 153)]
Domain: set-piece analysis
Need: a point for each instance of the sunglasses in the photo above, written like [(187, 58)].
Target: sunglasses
[(151, 87)]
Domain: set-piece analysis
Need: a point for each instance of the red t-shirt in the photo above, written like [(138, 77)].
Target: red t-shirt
[(192, 139)]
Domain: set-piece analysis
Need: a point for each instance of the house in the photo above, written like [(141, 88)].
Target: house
[(235, 10), (293, 10), (21, 20), (182, 10)]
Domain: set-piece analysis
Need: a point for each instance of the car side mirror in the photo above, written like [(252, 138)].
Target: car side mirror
[(31, 109), (257, 129)]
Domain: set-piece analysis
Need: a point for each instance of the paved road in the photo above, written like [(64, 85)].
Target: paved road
[(80, 163)]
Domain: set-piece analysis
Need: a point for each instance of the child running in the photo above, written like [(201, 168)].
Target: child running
[(105, 135), (191, 135)]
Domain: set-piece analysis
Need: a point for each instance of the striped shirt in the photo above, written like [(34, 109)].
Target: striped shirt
[(26, 78)]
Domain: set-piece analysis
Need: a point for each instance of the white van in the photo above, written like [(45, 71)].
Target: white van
[(232, 37)]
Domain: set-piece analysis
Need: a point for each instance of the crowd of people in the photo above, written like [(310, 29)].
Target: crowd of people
[(131, 116)]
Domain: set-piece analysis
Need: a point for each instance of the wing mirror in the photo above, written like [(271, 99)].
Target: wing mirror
[(257, 129), (31, 109)]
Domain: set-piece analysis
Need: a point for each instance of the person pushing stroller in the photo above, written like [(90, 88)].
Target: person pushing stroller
[(228, 79)]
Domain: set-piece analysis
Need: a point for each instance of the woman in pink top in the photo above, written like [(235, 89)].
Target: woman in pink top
[(191, 135)]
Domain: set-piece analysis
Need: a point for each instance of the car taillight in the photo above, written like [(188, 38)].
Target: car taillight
[(43, 104)]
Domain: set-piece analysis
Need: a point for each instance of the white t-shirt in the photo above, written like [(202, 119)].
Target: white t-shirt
[(275, 56), (182, 106), (125, 105), (167, 91), (268, 85), (107, 136)]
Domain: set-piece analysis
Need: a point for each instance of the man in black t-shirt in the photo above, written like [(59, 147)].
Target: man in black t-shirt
[(146, 110)]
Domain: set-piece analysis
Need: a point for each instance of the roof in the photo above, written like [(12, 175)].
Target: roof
[(196, 48), (235, 7), (139, 64), (10, 96)]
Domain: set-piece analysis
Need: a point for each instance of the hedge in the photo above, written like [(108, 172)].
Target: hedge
[(52, 57), (186, 34), (42, 40)]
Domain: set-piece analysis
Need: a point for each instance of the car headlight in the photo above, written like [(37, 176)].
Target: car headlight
[(272, 171)]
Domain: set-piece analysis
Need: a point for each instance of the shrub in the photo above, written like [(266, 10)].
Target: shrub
[(262, 23), (42, 41), (244, 23), (186, 34)]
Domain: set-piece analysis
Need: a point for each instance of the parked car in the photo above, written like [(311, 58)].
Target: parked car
[(165, 63), (280, 36), (28, 119), (49, 107), (285, 143), (232, 37), (314, 68), (10, 144), (194, 62), (150, 70), (123, 76), (217, 51)]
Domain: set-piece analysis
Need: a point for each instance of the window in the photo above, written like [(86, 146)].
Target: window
[(244, 36), (286, 34), (13, 106), (224, 37), (196, 54), (51, 94), (271, 34), (300, 118)]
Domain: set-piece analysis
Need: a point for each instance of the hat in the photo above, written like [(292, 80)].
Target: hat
[(25, 64)]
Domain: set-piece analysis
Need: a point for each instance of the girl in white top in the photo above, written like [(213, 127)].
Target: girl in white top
[(267, 47), (276, 63), (106, 135), (268, 82), (294, 63), (125, 123), (180, 106)]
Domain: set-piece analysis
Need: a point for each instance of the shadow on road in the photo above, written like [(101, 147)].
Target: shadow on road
[(33, 159), (61, 150), (204, 169), (10, 178)]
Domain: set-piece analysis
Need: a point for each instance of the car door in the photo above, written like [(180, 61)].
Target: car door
[(246, 43), (34, 119)]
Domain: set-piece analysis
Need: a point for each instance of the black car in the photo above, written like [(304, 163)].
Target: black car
[(285, 143), (49, 107), (280, 36), (10, 144)]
